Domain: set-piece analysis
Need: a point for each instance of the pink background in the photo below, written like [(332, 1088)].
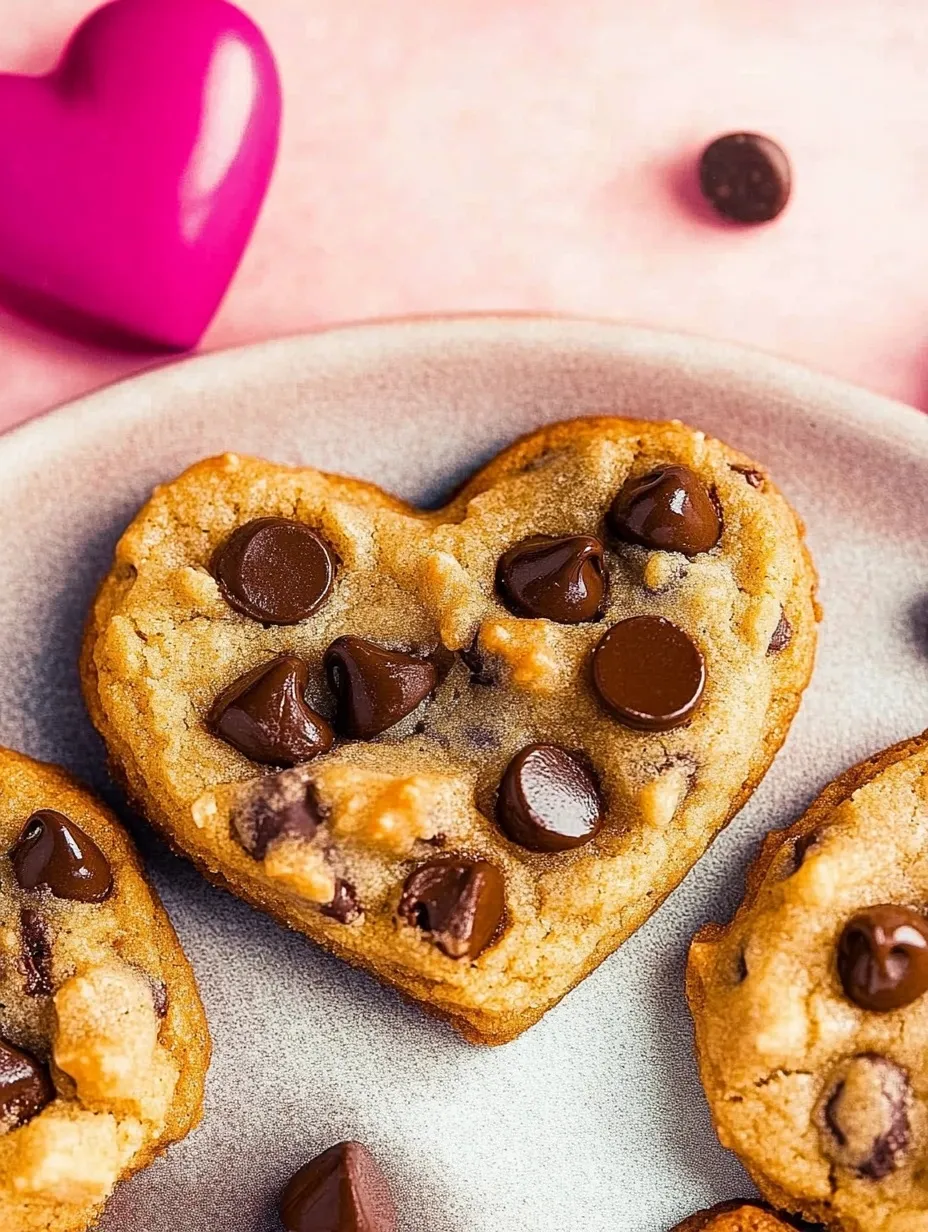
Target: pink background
[(536, 155)]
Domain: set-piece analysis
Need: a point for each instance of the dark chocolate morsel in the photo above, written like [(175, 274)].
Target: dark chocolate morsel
[(275, 570), (883, 957), (863, 1117), (273, 808), (559, 579), (344, 906), (668, 510), (374, 687), (782, 636), (25, 1088), (265, 715), (341, 1190), (458, 902), (54, 852), (746, 177), (478, 664), (549, 799), (649, 673), (35, 953)]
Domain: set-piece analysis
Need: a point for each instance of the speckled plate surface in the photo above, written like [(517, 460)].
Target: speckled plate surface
[(594, 1120)]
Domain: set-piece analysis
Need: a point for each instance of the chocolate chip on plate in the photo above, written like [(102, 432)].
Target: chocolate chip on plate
[(264, 714), (864, 1116), (374, 687), (457, 901), (782, 636), (559, 579), (883, 957), (549, 799), (35, 957), (275, 570), (54, 852), (341, 1190), (746, 177), (25, 1088), (649, 673), (668, 510)]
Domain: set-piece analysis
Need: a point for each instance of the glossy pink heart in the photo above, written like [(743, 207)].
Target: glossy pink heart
[(131, 177)]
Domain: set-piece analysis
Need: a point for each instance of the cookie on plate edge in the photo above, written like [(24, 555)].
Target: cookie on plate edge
[(469, 750), (103, 1040)]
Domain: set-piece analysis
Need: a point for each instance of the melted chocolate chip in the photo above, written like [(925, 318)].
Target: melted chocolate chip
[(745, 177), (782, 636), (265, 715), (549, 799), (275, 570), (35, 953), (555, 579), (344, 906), (883, 957), (668, 510), (54, 852), (374, 687), (275, 808), (649, 673), (458, 902), (25, 1088), (863, 1119), (341, 1190), (479, 665)]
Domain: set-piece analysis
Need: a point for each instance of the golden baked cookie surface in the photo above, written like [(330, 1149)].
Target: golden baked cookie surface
[(333, 845), (103, 1041), (736, 1217)]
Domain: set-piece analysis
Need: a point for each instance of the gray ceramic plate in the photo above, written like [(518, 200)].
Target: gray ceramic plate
[(595, 1119)]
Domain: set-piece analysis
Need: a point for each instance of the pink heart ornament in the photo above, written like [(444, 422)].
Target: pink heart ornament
[(131, 177)]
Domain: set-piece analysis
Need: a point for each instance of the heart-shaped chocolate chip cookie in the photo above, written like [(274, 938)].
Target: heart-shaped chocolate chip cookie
[(469, 750)]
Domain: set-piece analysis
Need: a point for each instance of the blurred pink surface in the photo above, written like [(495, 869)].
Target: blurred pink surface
[(536, 155)]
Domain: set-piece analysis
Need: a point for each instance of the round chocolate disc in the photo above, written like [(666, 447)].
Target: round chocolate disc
[(649, 673), (549, 799), (746, 177), (883, 957), (275, 570), (555, 579), (670, 510)]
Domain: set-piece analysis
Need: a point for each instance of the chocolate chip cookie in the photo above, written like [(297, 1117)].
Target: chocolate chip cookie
[(103, 1041), (469, 750), (737, 1217), (811, 1009)]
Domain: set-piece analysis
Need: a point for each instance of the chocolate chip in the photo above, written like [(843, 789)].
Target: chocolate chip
[(25, 1088), (746, 177), (159, 997), (556, 579), (274, 808), (275, 570), (863, 1117), (344, 906), (883, 957), (782, 636), (479, 665), (549, 799), (374, 687), (754, 478), (35, 953), (54, 852), (649, 673), (458, 902), (668, 510), (341, 1190), (265, 715)]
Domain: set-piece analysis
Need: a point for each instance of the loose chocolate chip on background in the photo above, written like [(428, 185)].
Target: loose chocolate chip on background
[(559, 579), (273, 808), (25, 1088), (782, 636), (863, 1118), (883, 957), (54, 852), (344, 906), (35, 953), (457, 901), (264, 714), (341, 1190), (275, 570), (549, 799), (746, 177), (667, 510), (649, 673), (374, 687)]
